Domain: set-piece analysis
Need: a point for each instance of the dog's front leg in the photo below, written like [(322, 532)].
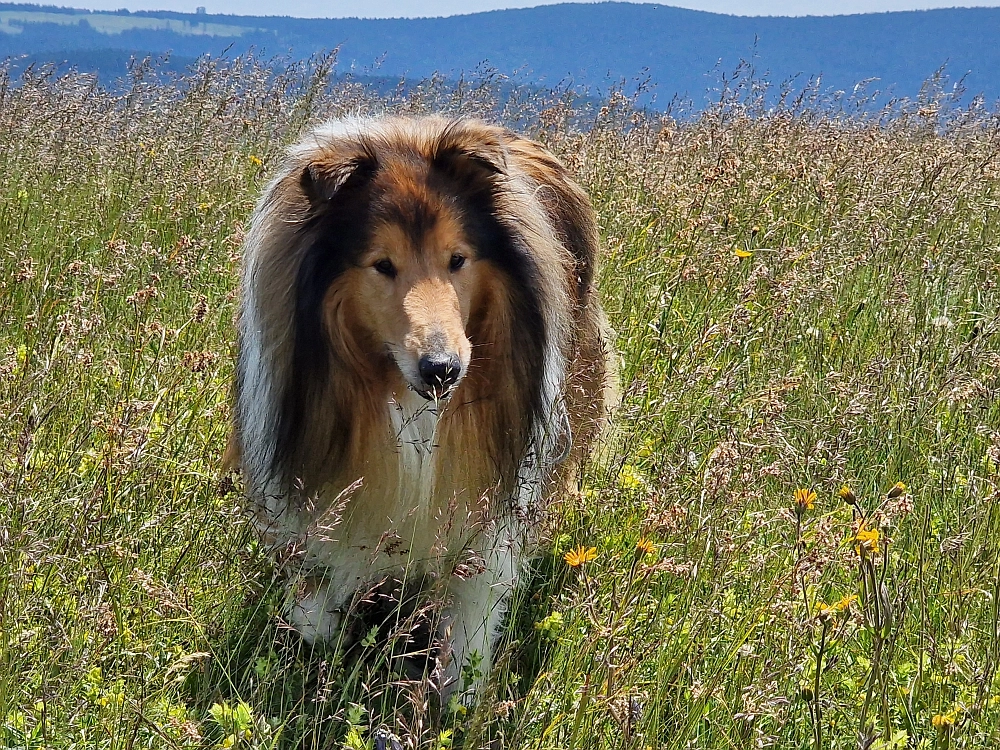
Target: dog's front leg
[(473, 616), (315, 608)]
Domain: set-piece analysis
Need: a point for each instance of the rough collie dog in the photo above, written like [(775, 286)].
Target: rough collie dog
[(421, 364)]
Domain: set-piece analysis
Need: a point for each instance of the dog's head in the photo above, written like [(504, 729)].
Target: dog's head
[(400, 213), (414, 283), (392, 254)]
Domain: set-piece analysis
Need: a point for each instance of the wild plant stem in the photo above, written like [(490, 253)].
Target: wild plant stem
[(818, 710)]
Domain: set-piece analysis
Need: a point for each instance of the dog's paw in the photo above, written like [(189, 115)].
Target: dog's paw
[(314, 612)]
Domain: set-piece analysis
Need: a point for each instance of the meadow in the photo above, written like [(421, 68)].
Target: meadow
[(795, 519)]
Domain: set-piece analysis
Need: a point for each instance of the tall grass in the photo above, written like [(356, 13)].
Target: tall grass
[(802, 300)]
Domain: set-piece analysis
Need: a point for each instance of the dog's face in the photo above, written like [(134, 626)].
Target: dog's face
[(413, 284), (416, 292)]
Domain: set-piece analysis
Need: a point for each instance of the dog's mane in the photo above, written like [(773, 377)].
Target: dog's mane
[(302, 402)]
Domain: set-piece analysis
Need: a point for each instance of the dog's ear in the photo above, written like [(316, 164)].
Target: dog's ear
[(472, 152), (330, 175)]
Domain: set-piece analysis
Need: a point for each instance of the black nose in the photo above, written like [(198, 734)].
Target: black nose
[(439, 370)]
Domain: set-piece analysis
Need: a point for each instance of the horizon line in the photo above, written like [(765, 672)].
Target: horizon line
[(124, 10)]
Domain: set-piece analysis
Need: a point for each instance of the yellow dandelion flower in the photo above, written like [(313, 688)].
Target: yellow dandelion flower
[(944, 722), (577, 557), (255, 160), (897, 489), (645, 547), (867, 540), (804, 499), (845, 603), (847, 495), (743, 253), (826, 611)]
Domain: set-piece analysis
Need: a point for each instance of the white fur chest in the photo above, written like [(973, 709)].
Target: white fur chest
[(414, 423)]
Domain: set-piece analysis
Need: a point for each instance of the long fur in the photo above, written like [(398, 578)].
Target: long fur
[(337, 453)]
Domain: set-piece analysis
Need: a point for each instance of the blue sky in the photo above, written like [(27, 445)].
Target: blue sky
[(395, 8)]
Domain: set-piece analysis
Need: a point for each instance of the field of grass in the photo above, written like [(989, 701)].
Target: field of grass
[(802, 299)]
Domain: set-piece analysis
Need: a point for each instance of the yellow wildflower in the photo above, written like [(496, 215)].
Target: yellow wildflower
[(944, 722), (847, 495), (897, 489), (743, 253), (577, 557), (804, 499), (845, 602), (826, 611), (645, 547), (255, 160), (867, 540)]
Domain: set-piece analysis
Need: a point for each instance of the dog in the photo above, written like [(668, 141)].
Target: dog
[(422, 364)]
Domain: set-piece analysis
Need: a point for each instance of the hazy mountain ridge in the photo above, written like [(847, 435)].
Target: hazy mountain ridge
[(586, 44)]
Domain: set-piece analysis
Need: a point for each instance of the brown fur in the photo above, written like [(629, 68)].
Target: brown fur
[(329, 341)]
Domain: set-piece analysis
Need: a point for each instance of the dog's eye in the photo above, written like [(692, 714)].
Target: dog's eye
[(456, 262), (386, 268)]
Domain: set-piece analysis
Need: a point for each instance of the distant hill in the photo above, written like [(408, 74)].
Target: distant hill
[(582, 44)]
